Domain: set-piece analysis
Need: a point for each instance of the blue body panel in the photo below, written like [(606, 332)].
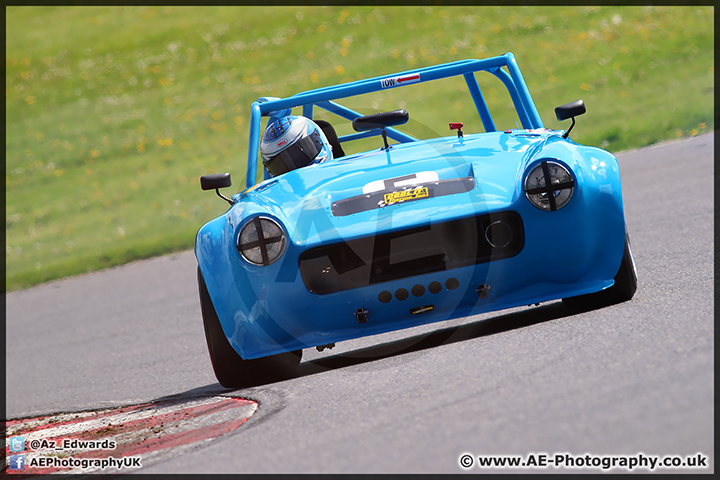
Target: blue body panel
[(577, 249)]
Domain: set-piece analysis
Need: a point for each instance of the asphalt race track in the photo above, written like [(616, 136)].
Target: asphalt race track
[(634, 378)]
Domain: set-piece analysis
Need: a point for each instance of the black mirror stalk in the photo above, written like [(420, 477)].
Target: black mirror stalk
[(216, 182), (570, 110)]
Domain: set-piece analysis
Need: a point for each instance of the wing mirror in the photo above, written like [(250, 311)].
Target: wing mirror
[(381, 120), (216, 182), (570, 110)]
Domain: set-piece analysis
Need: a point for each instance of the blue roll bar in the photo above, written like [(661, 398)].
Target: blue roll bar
[(323, 98)]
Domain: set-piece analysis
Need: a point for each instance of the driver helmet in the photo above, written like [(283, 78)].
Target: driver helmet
[(292, 142)]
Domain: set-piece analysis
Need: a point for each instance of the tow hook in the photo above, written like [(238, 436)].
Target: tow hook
[(361, 315), (483, 290), (320, 348)]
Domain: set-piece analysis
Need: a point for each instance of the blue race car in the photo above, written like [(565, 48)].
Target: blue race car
[(331, 246)]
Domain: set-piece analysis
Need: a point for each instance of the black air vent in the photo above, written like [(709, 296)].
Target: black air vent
[(405, 253)]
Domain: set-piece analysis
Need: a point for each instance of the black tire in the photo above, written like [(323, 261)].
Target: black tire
[(621, 291), (230, 369)]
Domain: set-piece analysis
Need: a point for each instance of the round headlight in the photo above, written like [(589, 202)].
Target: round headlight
[(549, 186), (261, 241)]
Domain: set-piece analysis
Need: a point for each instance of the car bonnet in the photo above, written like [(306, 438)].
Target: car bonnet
[(391, 189)]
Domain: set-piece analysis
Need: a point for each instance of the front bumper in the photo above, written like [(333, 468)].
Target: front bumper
[(270, 310)]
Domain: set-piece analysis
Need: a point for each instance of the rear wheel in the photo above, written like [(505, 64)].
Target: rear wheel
[(622, 290), (230, 369)]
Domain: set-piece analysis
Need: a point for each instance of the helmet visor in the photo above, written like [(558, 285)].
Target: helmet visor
[(297, 155)]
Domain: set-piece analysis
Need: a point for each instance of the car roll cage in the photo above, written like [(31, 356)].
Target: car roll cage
[(323, 98)]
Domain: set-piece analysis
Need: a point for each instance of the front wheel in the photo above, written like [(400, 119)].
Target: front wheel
[(622, 290), (230, 369)]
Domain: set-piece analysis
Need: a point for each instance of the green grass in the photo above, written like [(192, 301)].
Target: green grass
[(114, 112)]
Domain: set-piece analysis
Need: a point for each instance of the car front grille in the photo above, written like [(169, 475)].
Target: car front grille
[(427, 248)]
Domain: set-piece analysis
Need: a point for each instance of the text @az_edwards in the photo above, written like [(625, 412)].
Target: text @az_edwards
[(73, 444)]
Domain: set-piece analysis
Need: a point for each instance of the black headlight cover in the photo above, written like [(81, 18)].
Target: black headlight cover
[(261, 241)]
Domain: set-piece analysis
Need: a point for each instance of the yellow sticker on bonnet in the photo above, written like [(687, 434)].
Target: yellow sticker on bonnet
[(403, 195)]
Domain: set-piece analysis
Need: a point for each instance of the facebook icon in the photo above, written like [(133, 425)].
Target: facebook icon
[(16, 462)]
